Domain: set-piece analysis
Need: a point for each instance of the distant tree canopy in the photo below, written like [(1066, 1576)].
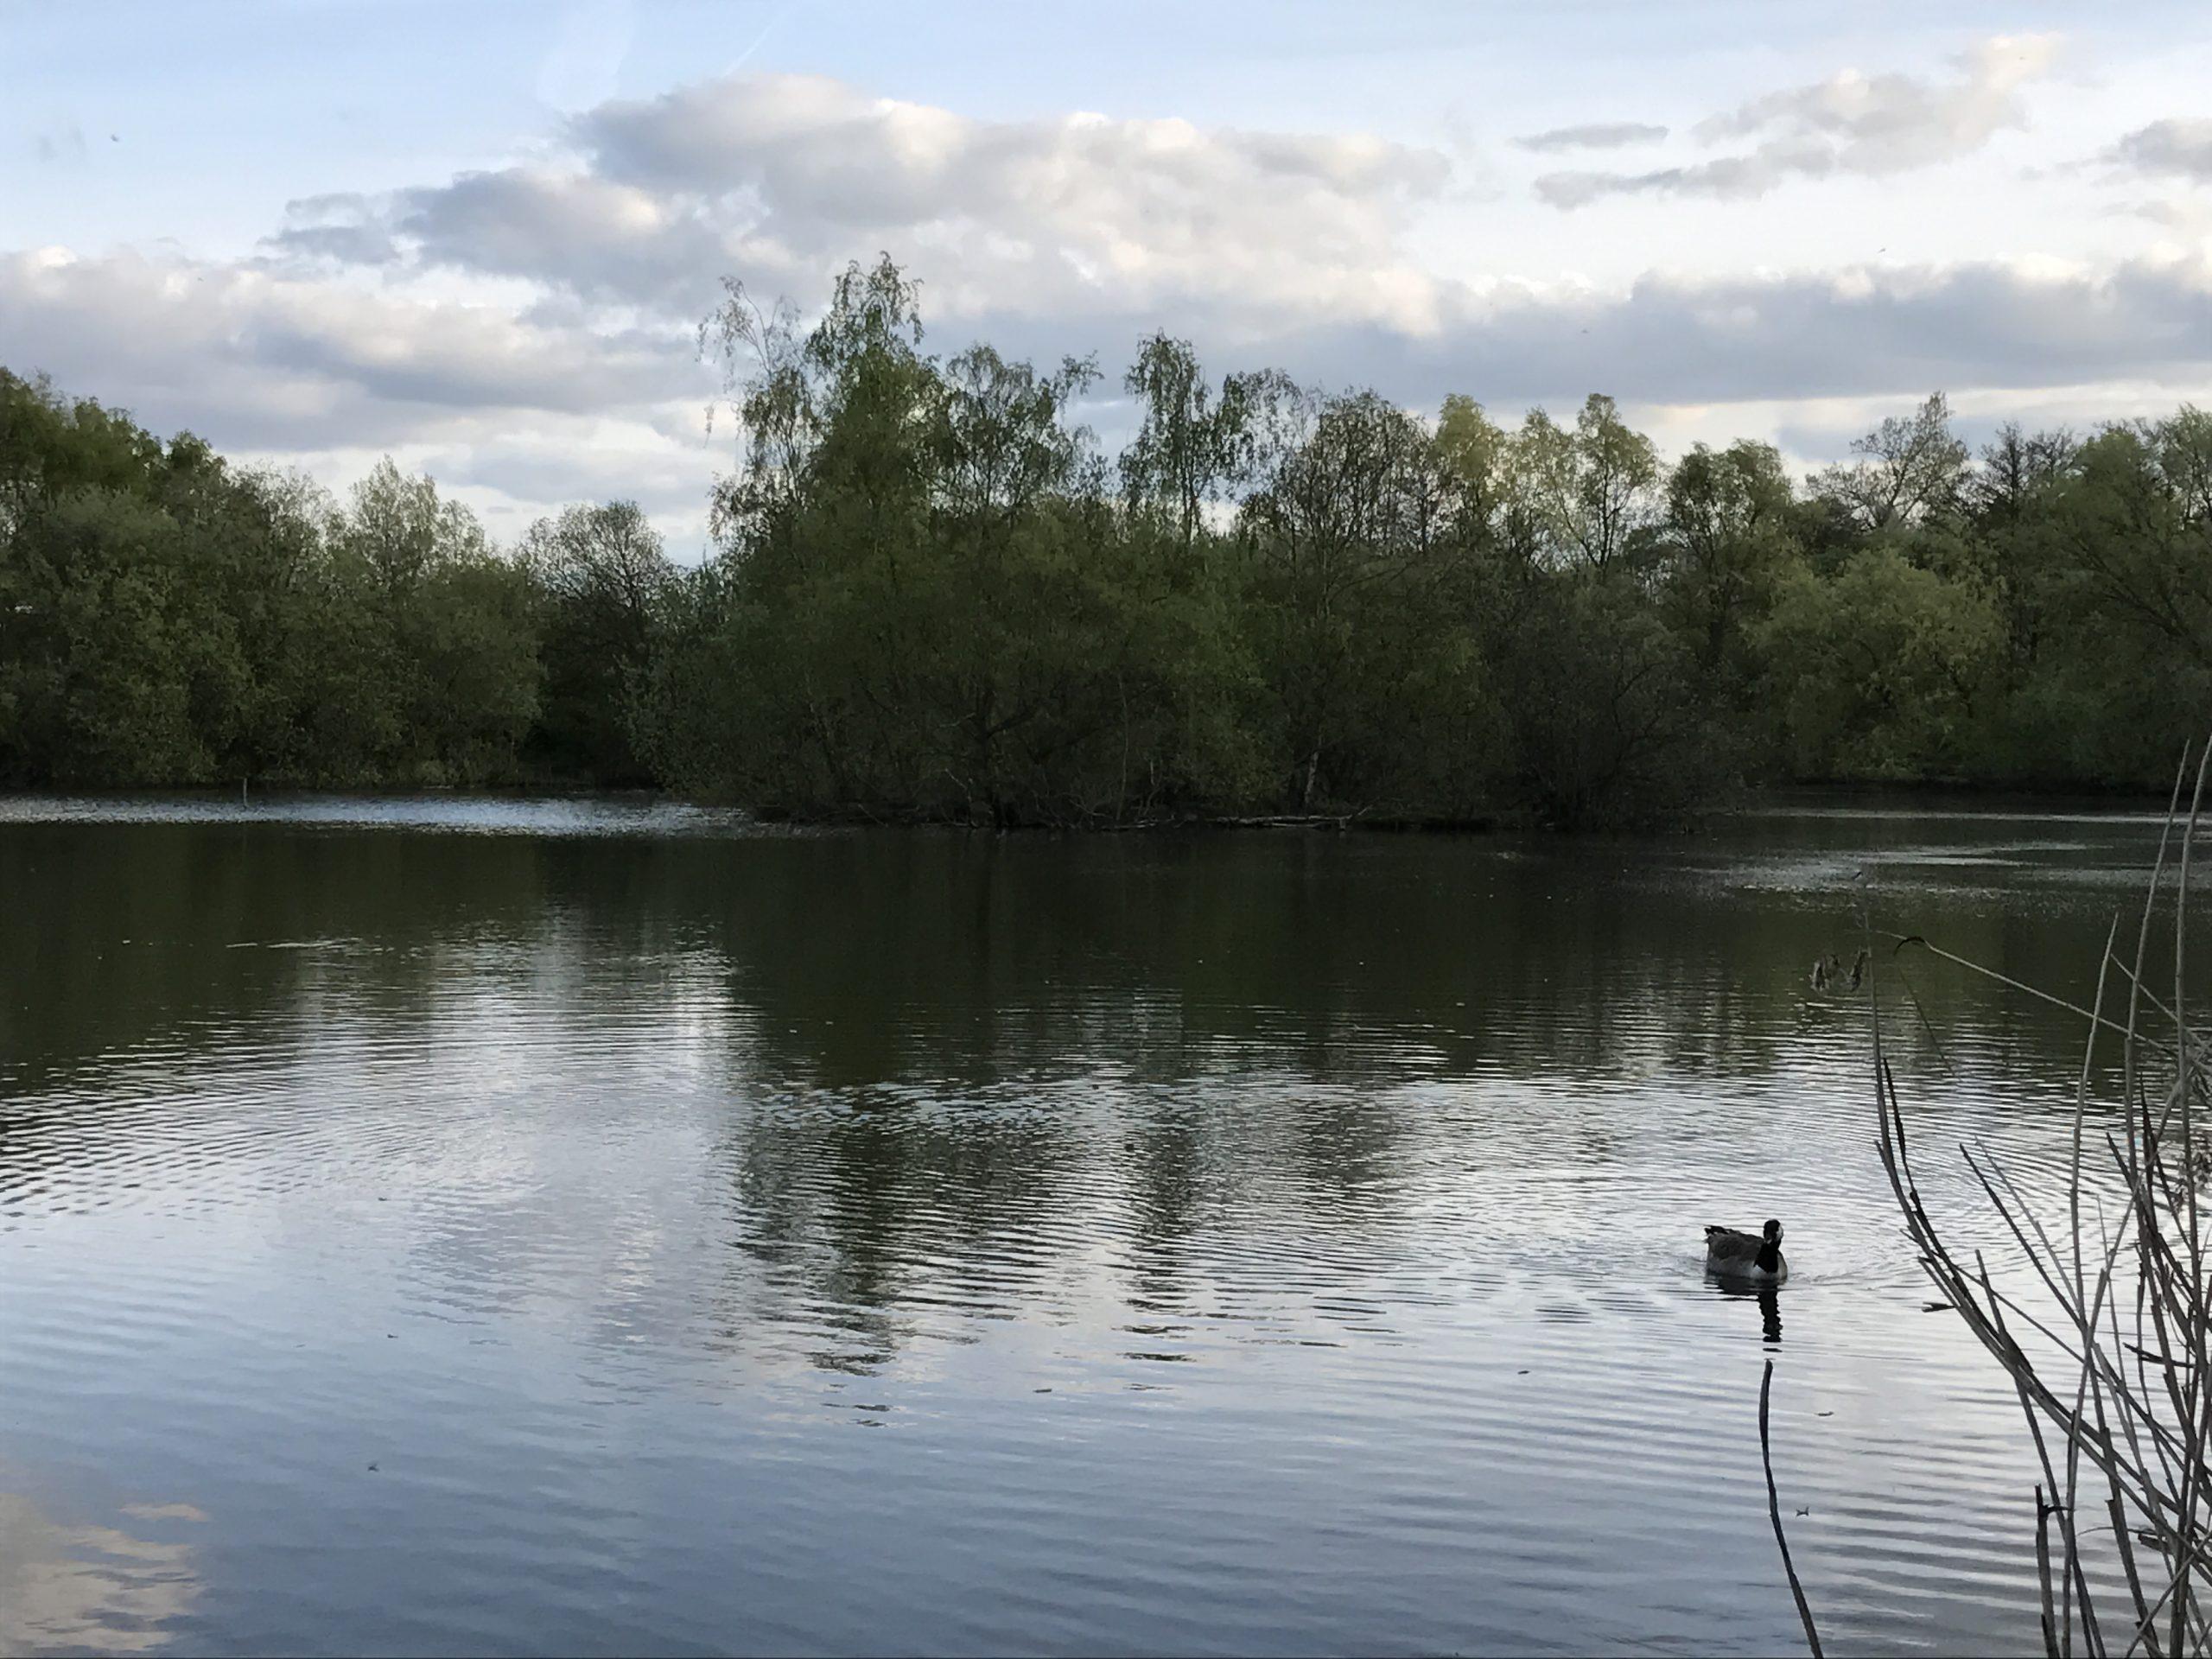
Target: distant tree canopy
[(931, 596)]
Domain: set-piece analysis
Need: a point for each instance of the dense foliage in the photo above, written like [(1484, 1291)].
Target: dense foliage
[(933, 596)]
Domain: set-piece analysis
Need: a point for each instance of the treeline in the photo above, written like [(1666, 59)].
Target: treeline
[(167, 618), (933, 596)]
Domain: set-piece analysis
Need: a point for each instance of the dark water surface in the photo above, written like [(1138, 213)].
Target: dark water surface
[(450, 1226)]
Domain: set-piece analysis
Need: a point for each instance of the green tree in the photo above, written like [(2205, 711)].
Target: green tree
[(1191, 444), (601, 573), (2136, 525), (446, 666), (1878, 671), (1353, 543), (1908, 469), (1602, 720), (1727, 543), (1595, 490)]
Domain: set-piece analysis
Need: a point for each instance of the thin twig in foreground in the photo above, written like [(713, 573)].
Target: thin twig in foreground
[(1774, 1509)]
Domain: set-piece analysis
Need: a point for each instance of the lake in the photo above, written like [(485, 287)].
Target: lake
[(437, 1225)]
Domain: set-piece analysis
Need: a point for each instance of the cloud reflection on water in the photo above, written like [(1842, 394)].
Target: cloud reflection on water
[(67, 1587)]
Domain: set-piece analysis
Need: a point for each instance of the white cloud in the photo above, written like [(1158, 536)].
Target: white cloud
[(525, 330), (778, 178), (1597, 135), (1863, 332), (2181, 147), (261, 359), (273, 361), (1850, 122)]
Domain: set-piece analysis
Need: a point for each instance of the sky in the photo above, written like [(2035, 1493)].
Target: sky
[(479, 237)]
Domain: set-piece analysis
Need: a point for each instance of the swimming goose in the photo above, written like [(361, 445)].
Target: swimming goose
[(1753, 1257)]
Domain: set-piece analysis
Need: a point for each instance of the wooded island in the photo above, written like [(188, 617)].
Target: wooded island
[(932, 597)]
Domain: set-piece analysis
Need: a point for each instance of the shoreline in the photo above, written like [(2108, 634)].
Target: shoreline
[(1919, 795)]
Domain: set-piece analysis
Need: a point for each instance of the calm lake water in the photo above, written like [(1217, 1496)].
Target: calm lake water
[(434, 1226)]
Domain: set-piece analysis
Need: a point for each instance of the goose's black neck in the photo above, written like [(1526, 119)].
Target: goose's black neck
[(1770, 1257)]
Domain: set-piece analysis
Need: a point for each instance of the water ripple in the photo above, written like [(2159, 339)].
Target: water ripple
[(619, 1229)]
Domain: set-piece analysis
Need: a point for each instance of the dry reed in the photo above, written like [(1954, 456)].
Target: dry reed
[(2105, 1341)]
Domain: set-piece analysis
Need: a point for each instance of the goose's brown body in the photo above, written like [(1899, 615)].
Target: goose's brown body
[(1753, 1257)]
